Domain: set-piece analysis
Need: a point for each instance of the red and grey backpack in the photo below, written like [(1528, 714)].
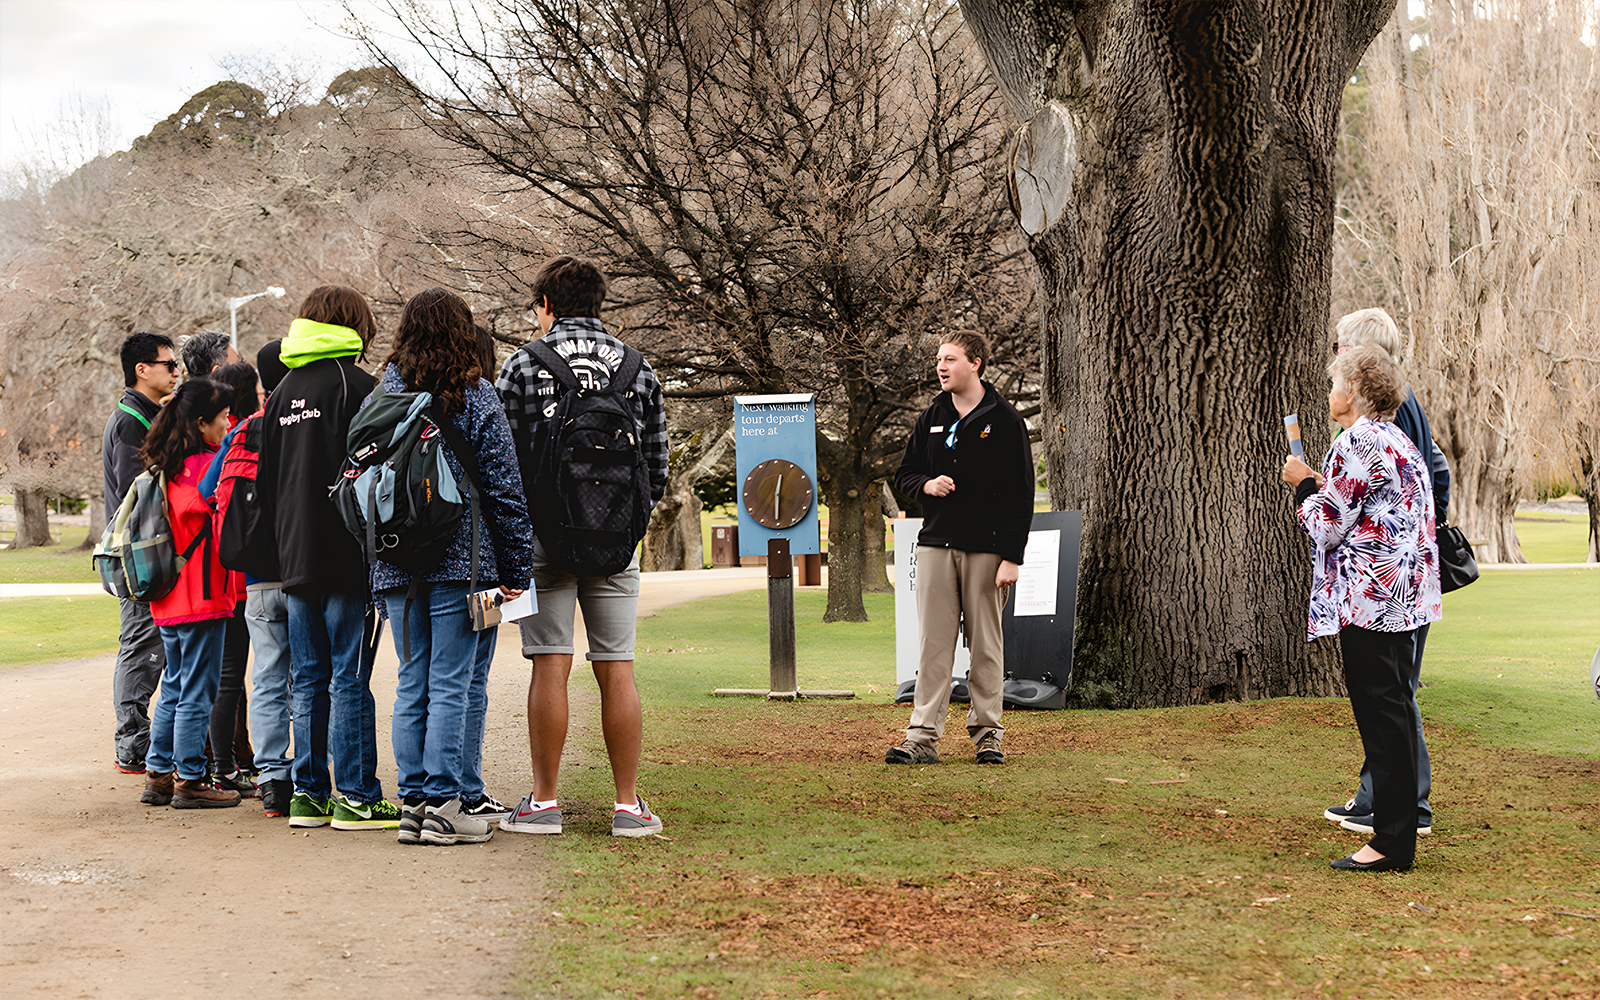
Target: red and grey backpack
[(247, 541)]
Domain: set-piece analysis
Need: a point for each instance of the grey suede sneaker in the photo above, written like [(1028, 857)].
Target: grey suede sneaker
[(989, 749), (912, 752), (626, 824), (446, 825)]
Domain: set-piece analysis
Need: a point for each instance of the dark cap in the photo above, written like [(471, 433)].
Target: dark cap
[(272, 370)]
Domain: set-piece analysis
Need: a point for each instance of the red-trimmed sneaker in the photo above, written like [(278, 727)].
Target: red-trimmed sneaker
[(527, 819), (626, 824)]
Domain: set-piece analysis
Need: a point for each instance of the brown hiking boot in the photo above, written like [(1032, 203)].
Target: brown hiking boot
[(157, 789), (198, 793)]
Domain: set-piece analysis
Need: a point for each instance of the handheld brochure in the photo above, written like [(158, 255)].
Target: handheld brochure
[(1291, 427), (490, 607)]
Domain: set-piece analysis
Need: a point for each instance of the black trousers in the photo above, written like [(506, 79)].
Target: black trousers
[(230, 728), (1377, 668)]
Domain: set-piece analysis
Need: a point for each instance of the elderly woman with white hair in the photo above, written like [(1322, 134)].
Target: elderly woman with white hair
[(1374, 582), (1375, 326)]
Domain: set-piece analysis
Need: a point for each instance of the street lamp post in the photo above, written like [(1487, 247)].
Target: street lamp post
[(234, 304)]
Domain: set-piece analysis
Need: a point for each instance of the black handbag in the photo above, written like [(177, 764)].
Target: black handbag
[(1457, 565)]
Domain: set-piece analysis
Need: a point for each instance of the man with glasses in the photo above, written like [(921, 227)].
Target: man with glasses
[(149, 373)]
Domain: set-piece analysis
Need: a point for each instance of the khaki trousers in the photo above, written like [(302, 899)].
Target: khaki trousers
[(950, 582)]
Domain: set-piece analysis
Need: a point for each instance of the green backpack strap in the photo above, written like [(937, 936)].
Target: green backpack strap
[(124, 407)]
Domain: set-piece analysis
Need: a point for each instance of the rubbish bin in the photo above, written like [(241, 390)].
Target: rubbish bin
[(724, 545)]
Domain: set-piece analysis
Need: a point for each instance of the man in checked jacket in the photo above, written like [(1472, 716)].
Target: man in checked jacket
[(567, 295)]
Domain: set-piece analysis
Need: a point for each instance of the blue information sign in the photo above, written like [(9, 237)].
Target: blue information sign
[(775, 447)]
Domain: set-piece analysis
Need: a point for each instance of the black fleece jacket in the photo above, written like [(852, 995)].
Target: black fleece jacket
[(302, 450), (991, 508), (119, 447)]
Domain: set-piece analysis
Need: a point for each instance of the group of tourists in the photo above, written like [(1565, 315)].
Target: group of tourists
[(310, 599), (251, 459)]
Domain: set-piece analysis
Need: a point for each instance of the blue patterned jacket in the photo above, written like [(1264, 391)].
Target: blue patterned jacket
[(506, 556)]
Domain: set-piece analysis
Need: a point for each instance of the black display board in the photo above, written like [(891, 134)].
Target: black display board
[(1039, 647)]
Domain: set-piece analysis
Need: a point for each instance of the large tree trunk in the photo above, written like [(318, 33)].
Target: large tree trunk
[(97, 524), (847, 491), (33, 518), (673, 540), (1588, 443), (1173, 173), (874, 569)]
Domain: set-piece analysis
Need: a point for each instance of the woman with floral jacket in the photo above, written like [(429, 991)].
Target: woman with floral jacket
[(1374, 582)]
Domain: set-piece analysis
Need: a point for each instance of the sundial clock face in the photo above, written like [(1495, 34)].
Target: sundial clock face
[(777, 494)]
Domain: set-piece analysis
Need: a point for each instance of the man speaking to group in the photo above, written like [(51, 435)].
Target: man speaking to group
[(970, 464)]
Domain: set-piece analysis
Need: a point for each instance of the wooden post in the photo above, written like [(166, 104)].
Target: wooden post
[(780, 620)]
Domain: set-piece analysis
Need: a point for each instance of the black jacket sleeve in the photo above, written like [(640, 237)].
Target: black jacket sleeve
[(1015, 492), (914, 471)]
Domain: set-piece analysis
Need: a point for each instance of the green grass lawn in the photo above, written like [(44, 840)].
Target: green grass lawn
[(40, 629), (1548, 537), (49, 564), (794, 863)]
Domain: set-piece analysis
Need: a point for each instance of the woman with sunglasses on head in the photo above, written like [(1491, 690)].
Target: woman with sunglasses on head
[(193, 616)]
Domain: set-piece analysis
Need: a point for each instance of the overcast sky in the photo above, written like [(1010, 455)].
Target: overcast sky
[(144, 58)]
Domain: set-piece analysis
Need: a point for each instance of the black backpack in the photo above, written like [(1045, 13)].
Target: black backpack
[(591, 486), (246, 541), (397, 495)]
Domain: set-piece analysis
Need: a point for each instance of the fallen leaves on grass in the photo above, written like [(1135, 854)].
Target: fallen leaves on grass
[(960, 918)]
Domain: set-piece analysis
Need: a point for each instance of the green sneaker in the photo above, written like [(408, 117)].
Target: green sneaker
[(349, 814), (307, 811)]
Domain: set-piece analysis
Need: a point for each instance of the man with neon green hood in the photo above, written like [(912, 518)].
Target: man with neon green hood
[(325, 584)]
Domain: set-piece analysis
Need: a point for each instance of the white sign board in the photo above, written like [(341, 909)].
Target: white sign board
[(907, 632), (1036, 578)]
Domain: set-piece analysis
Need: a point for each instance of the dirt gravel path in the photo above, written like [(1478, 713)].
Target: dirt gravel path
[(103, 897)]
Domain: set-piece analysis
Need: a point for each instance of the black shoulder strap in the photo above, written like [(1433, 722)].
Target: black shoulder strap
[(632, 363), (554, 363), (469, 461)]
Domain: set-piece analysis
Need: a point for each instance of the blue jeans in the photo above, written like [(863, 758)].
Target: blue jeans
[(188, 688), (331, 696), (431, 694), (267, 618), (477, 710), (1363, 804)]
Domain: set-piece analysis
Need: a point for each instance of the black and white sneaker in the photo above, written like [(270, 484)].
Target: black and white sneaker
[(412, 812), (1338, 814), (489, 809)]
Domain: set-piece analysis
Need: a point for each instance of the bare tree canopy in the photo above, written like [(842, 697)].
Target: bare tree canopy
[(794, 195), (1468, 210), (1174, 173)]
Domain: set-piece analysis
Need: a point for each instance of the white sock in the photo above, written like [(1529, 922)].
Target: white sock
[(551, 804), (629, 809)]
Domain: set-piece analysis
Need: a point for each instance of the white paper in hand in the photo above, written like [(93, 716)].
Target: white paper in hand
[(520, 608)]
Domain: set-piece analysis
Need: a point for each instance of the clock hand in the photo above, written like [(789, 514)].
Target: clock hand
[(777, 492)]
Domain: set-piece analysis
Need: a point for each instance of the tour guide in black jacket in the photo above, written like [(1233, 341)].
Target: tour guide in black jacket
[(326, 591), (970, 464)]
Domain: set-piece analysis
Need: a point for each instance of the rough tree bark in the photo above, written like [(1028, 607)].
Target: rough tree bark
[(33, 518), (1172, 170), (673, 539), (97, 524), (874, 571)]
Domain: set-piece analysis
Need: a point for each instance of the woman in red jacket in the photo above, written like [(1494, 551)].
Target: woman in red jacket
[(192, 618)]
